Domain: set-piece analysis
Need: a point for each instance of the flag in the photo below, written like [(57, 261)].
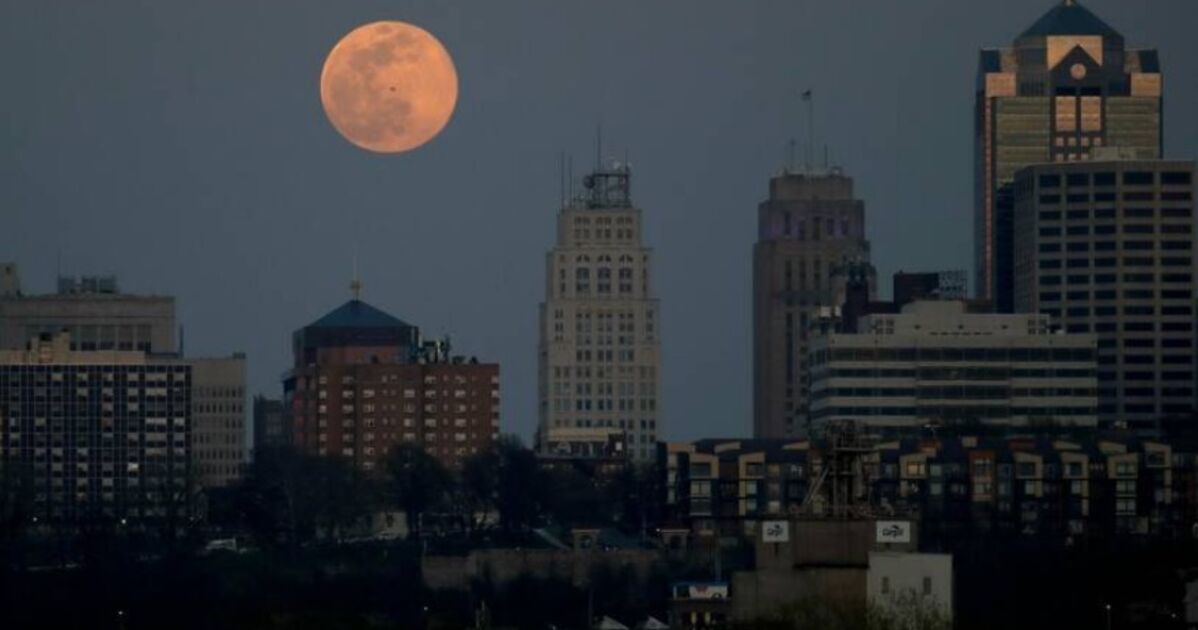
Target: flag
[(807, 95)]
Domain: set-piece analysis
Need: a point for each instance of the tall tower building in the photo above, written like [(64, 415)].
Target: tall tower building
[(1067, 85), (809, 231), (599, 351), (1108, 247)]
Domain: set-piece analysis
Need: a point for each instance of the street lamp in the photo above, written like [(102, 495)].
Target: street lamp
[(1108, 617)]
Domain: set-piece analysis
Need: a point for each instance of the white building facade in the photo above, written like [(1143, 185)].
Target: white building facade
[(599, 351), (934, 364)]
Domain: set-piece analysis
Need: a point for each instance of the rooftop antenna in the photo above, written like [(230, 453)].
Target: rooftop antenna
[(809, 98), (570, 176), (355, 284), (790, 159), (826, 156), (561, 180), (599, 146)]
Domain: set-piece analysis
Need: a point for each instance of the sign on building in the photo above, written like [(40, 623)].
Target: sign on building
[(775, 531), (894, 531), (714, 590)]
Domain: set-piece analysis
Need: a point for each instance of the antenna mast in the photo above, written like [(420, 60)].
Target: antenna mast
[(355, 284)]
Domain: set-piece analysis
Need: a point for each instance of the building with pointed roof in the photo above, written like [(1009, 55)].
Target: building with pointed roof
[(364, 382), (1067, 86)]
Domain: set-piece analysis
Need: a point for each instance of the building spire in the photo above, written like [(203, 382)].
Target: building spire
[(355, 284)]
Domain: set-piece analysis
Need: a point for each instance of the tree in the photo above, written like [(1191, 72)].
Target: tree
[(287, 497), (575, 498), (632, 494), (519, 490), (16, 508), (418, 483), (477, 486)]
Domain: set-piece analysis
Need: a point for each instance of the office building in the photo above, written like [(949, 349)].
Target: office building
[(99, 317), (1067, 85), (218, 416), (95, 313), (270, 424), (1107, 248), (810, 235), (929, 285), (105, 435), (936, 364), (599, 369), (363, 383)]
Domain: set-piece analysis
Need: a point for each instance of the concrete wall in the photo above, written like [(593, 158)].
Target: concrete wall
[(765, 593), (505, 565)]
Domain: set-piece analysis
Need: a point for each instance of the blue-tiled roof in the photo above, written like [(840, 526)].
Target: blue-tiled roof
[(1069, 18), (357, 314)]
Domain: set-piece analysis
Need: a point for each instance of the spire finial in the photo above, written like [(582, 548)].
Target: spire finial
[(355, 284)]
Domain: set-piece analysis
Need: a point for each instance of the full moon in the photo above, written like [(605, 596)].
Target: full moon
[(389, 87)]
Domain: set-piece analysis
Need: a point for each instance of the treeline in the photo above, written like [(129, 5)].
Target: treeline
[(289, 498)]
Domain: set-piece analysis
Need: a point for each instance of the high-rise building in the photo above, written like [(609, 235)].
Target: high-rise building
[(936, 363), (102, 435), (1067, 85), (599, 350), (98, 317), (363, 383), (270, 424), (1107, 247), (809, 232)]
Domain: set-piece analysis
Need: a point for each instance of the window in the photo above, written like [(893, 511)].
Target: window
[(1176, 178), (1138, 178)]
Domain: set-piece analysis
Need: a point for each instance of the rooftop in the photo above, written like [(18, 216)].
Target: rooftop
[(358, 314), (1070, 18)]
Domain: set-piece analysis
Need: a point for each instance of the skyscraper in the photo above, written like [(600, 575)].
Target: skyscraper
[(599, 350), (1067, 85), (1107, 247), (808, 232)]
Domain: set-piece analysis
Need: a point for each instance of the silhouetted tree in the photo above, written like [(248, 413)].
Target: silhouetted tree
[(476, 488), (418, 483), (16, 509), (575, 498), (519, 492)]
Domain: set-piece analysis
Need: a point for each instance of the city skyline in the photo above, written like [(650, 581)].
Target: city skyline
[(195, 170)]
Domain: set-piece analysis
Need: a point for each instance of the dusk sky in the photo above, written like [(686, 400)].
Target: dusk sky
[(182, 146)]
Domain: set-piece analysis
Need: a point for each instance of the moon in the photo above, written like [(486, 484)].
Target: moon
[(389, 87)]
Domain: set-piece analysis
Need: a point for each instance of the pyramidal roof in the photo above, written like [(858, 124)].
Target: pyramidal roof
[(1069, 18), (358, 314)]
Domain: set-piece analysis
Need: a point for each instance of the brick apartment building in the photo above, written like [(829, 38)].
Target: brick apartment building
[(363, 383)]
